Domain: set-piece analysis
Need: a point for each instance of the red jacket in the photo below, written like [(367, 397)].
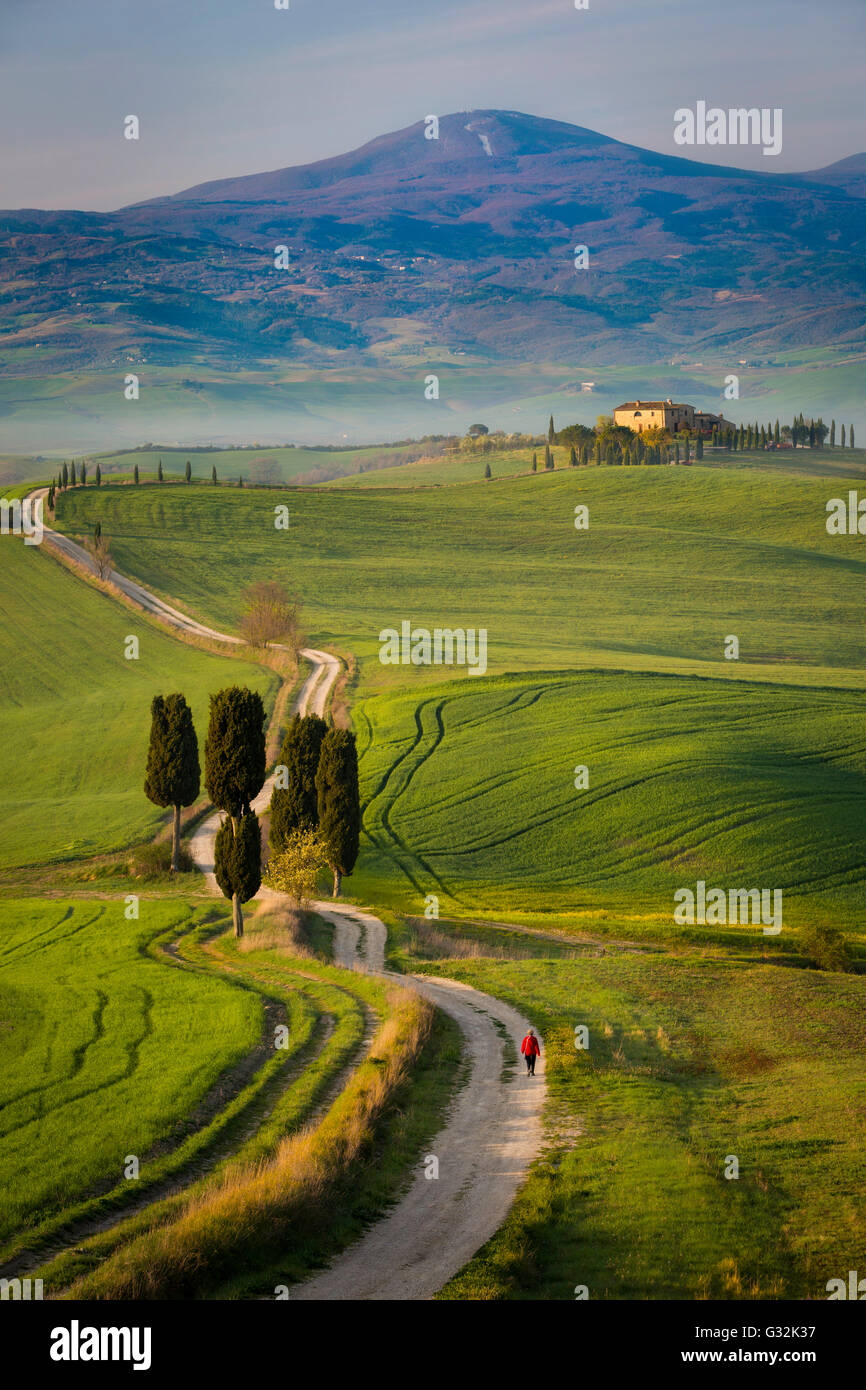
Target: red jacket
[(529, 1047)]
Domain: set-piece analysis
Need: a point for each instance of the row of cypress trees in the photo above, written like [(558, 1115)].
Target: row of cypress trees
[(318, 790), (235, 764)]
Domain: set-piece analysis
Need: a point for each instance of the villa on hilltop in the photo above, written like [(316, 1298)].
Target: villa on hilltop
[(668, 415)]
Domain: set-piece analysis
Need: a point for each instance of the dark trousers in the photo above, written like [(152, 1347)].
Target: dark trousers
[(530, 1063)]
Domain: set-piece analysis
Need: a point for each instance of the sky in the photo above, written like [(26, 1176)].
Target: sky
[(231, 87)]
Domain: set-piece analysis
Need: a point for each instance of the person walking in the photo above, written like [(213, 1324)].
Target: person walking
[(531, 1049)]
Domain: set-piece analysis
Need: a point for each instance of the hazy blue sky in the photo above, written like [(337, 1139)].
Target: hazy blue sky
[(235, 86)]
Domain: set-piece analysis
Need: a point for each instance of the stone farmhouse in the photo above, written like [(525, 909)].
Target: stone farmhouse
[(667, 415)]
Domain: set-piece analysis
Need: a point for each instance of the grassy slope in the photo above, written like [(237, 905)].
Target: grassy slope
[(470, 794), (71, 703), (102, 1050), (674, 560), (256, 465), (688, 1062), (469, 467), (692, 1059)]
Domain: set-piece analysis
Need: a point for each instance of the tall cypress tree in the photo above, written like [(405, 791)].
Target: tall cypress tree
[(832, 434), (234, 759), (699, 447), (551, 432), (173, 776), (296, 805), (83, 473), (548, 457), (852, 436), (188, 471), (238, 862), (98, 476), (65, 483), (339, 802), (72, 481), (573, 459), (135, 475), (843, 436), (159, 471), (213, 475), (535, 461)]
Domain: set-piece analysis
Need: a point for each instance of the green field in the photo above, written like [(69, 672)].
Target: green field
[(673, 562), (102, 1049), (470, 794), (75, 713), (605, 651), (688, 1062)]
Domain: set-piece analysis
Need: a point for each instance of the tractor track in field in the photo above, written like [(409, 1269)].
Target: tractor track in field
[(493, 1131)]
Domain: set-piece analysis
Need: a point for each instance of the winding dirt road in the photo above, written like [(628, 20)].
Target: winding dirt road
[(494, 1130)]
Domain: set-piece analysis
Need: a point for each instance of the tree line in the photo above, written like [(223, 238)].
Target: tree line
[(609, 443), (315, 807)]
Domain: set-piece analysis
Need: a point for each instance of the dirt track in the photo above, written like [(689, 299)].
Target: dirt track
[(494, 1129)]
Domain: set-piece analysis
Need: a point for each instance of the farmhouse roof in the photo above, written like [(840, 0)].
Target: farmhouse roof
[(651, 405)]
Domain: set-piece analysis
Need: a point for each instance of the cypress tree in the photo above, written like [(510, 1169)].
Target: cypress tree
[(843, 436), (699, 447), (811, 434), (573, 459), (296, 806), (584, 455), (65, 477), (135, 475), (487, 472), (72, 481), (240, 482), (777, 433), (98, 476), (173, 776), (339, 802), (238, 862), (832, 434), (234, 756), (548, 457), (159, 474), (83, 473), (213, 475), (851, 435), (188, 472), (550, 431), (676, 451), (535, 462)]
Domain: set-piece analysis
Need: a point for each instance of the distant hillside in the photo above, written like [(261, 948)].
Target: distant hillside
[(411, 246)]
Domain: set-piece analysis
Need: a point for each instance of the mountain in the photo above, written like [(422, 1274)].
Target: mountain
[(847, 174), (409, 247)]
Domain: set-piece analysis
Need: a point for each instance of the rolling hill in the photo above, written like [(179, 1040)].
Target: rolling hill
[(416, 246)]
